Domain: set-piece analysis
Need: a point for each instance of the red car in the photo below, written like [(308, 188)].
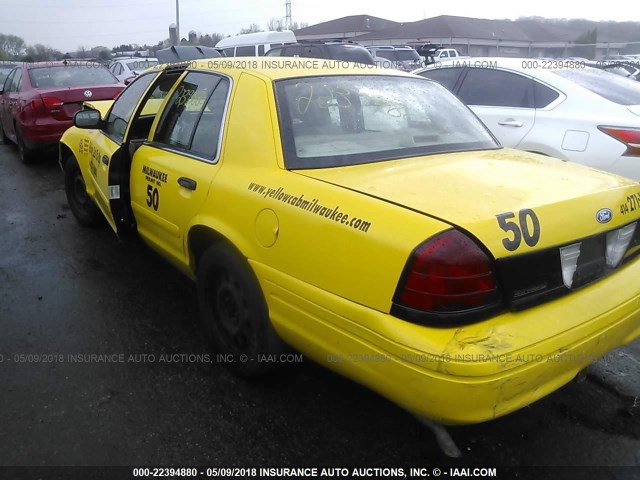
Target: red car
[(38, 101)]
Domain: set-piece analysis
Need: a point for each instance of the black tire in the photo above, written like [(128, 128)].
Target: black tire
[(83, 208), (235, 313), (27, 155)]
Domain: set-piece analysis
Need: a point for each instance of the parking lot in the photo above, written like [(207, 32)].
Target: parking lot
[(103, 362)]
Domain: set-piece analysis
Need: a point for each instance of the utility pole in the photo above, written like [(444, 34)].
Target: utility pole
[(287, 19), (178, 20)]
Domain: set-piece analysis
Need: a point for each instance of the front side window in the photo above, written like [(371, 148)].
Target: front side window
[(194, 114), (496, 88), (4, 73), (346, 120), (123, 107), (9, 79)]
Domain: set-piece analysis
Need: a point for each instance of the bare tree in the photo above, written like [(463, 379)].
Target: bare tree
[(296, 25), (253, 28), (275, 25), (11, 46), (41, 53)]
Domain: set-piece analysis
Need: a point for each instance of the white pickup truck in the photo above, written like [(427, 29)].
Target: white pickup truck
[(446, 53)]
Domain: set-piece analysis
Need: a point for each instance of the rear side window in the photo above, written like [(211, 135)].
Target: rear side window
[(292, 51), (260, 50), (16, 83), (311, 52), (543, 95), (447, 77), (193, 117), (496, 88), (614, 88), (246, 51)]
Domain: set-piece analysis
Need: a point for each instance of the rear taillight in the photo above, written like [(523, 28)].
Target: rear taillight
[(629, 136), (448, 277), (53, 104)]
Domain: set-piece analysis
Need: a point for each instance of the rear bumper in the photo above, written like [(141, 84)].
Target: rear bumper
[(461, 375), (44, 133)]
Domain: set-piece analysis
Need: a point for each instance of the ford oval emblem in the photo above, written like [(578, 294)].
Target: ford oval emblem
[(88, 93), (604, 215)]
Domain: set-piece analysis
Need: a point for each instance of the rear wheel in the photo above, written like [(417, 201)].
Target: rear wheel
[(83, 208), (235, 312), (27, 155)]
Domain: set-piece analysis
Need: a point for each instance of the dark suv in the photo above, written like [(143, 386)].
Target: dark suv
[(332, 50)]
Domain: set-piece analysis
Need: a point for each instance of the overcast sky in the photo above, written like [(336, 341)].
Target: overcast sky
[(73, 23)]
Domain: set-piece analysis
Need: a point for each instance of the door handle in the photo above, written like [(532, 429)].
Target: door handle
[(510, 122), (187, 183)]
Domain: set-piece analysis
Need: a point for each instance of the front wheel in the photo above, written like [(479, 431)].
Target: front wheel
[(83, 208), (234, 311)]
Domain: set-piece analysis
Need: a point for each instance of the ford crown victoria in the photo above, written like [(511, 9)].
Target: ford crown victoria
[(369, 220)]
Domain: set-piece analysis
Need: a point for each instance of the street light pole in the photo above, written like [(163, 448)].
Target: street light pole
[(178, 21)]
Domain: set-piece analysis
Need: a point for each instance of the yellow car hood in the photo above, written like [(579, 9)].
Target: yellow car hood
[(470, 189)]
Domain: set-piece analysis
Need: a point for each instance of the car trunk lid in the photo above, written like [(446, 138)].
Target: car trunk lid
[(485, 193), (64, 102)]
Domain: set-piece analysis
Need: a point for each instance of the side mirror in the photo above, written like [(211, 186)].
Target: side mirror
[(88, 118)]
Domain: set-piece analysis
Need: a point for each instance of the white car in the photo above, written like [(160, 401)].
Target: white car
[(554, 107), (126, 68)]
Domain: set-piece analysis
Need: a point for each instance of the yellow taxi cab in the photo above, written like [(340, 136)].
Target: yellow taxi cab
[(368, 219)]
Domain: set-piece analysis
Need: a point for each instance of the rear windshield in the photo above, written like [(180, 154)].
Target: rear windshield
[(614, 88), (408, 54), (351, 53), (71, 76), (399, 55), (353, 119)]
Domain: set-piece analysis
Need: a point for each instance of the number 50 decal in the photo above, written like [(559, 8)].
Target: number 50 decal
[(527, 228), (153, 197)]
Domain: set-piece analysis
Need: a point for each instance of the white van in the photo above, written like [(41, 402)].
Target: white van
[(254, 44)]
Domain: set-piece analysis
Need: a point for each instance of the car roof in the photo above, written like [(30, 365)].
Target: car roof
[(256, 38), (534, 67), (287, 67)]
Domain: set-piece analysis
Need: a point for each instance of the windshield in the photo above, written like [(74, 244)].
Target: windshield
[(614, 88), (141, 64), (347, 120), (71, 76)]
